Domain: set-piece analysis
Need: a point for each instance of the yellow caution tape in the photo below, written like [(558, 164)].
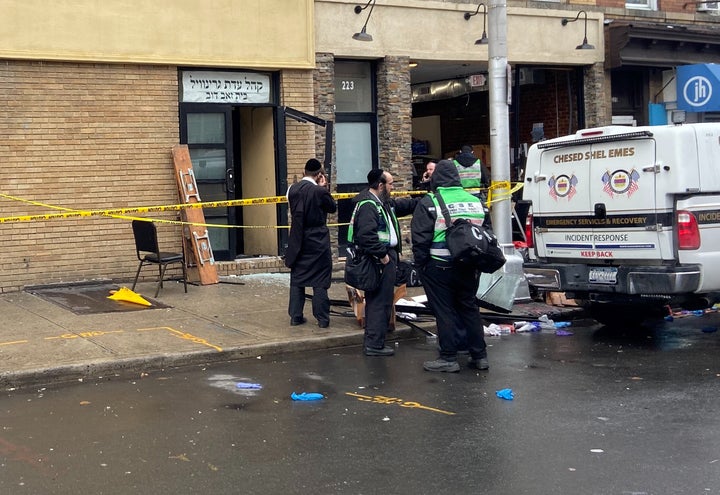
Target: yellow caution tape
[(123, 213), (505, 188)]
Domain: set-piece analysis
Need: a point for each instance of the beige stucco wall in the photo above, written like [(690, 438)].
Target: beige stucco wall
[(183, 32), (428, 30)]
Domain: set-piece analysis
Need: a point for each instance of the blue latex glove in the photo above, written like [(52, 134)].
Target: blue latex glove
[(306, 396), (251, 386), (505, 393)]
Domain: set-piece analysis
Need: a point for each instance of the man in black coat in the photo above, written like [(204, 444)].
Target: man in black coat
[(308, 253), (375, 231)]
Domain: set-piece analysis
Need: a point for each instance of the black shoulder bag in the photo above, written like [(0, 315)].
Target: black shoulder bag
[(471, 245), (362, 271)]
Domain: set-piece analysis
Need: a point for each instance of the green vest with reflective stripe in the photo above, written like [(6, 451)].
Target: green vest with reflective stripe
[(470, 176), (383, 228), (460, 204)]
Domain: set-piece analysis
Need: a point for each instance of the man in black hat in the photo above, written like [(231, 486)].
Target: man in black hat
[(374, 230), (308, 253)]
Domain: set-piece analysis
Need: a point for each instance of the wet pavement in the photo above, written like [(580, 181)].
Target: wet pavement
[(45, 342), (602, 411)]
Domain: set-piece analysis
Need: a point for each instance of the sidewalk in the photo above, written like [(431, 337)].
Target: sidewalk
[(242, 317)]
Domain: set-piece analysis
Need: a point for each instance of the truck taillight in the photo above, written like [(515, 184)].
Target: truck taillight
[(688, 231), (529, 240)]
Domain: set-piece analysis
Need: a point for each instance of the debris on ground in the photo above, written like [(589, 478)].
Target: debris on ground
[(306, 396), (506, 394)]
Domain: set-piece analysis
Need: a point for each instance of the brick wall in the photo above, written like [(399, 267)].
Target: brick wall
[(296, 91), (87, 137), (324, 98), (324, 108), (394, 113), (548, 104)]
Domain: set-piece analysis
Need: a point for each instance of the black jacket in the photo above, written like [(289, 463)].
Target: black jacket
[(425, 214), (368, 221), (308, 253), (467, 159)]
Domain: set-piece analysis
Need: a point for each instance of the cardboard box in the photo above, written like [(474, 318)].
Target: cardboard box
[(558, 299)]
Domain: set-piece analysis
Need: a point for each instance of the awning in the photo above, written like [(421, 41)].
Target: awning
[(660, 45)]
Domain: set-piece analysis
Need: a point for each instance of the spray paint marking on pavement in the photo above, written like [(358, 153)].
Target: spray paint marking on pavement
[(15, 342), (185, 336), (84, 335), (100, 333), (381, 399)]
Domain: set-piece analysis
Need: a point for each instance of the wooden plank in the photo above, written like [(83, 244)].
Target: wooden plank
[(356, 298), (195, 238)]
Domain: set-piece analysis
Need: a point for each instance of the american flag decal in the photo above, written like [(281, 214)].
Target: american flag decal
[(551, 185), (573, 183), (634, 176), (606, 184)]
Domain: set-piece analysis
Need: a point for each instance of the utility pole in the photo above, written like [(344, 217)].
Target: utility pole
[(498, 82), (499, 75)]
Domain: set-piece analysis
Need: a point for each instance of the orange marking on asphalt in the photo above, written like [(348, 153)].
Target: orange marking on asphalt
[(14, 342), (381, 399), (184, 336), (84, 335)]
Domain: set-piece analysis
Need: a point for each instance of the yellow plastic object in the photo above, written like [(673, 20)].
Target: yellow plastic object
[(125, 294)]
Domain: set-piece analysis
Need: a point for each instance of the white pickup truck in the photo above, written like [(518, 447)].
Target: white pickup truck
[(626, 219)]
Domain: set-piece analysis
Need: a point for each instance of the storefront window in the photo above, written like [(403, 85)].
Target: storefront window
[(356, 122), (356, 140), (355, 153), (353, 87)]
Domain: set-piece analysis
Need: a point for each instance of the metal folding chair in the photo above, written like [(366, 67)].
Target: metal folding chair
[(148, 252)]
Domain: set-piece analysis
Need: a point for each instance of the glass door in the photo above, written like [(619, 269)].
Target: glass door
[(207, 130)]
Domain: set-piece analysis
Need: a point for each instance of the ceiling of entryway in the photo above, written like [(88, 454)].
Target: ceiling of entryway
[(433, 70)]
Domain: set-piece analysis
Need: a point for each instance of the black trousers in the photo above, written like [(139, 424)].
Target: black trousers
[(451, 294), (320, 303), (378, 305)]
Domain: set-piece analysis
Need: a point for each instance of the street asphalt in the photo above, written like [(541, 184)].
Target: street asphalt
[(49, 338)]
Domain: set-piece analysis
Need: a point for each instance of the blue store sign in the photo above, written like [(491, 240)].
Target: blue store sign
[(698, 88)]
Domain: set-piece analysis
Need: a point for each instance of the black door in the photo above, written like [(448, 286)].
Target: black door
[(208, 132)]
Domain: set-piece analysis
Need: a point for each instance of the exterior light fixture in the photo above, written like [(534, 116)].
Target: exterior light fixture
[(483, 39), (585, 45), (412, 64), (363, 35)]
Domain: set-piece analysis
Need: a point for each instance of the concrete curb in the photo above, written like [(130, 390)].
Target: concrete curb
[(135, 366)]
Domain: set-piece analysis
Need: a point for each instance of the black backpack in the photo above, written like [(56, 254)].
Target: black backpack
[(471, 245)]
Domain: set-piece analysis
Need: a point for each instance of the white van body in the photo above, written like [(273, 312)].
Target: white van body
[(627, 216)]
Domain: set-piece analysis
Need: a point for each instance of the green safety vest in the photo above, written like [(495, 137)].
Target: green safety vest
[(383, 228), (460, 204), (470, 176)]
